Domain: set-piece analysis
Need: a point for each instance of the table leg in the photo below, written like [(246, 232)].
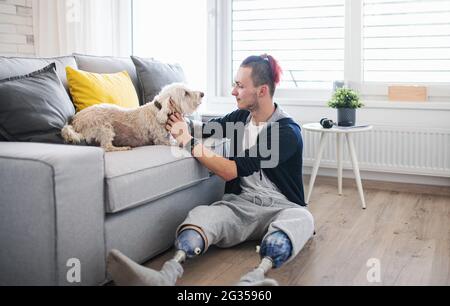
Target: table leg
[(351, 147), (323, 138), (339, 153)]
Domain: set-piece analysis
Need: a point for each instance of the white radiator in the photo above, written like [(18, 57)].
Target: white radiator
[(389, 149)]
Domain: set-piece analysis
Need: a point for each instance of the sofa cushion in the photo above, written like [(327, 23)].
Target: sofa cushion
[(88, 89), (34, 107), (105, 64), (154, 75), (148, 173), (15, 66)]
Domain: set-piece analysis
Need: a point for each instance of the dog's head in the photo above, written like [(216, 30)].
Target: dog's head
[(183, 100)]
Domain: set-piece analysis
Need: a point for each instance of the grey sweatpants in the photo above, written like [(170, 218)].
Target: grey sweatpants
[(239, 218)]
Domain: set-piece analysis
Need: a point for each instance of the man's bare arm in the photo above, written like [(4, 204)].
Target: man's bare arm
[(226, 169), (217, 164)]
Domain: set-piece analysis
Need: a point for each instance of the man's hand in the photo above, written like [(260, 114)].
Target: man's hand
[(179, 129), (221, 166)]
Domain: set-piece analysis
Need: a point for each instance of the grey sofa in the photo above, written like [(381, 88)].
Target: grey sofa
[(63, 202)]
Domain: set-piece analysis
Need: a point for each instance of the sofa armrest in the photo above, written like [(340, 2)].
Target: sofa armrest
[(51, 210)]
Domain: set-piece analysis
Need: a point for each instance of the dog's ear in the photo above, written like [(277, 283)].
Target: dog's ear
[(163, 114)]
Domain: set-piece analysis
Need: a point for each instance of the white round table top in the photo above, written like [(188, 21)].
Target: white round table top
[(316, 127)]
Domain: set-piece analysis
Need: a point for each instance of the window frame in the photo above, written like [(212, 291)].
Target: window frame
[(220, 59)]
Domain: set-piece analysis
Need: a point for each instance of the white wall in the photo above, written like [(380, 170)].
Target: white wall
[(16, 28)]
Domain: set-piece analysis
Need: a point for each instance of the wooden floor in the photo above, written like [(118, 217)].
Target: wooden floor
[(405, 227)]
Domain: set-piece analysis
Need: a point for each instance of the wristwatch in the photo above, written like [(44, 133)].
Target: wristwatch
[(191, 145)]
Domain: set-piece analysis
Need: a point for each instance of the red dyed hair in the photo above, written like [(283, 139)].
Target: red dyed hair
[(277, 71)]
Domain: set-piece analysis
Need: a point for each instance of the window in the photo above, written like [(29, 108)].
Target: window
[(173, 31), (307, 37), (369, 44), (406, 41)]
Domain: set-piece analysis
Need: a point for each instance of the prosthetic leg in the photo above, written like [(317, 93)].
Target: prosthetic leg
[(125, 272), (189, 244), (275, 250)]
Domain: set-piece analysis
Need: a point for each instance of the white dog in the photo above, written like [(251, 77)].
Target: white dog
[(119, 129)]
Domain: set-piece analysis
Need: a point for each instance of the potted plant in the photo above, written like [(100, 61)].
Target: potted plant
[(346, 101)]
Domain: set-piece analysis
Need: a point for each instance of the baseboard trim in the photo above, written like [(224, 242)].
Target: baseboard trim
[(382, 181)]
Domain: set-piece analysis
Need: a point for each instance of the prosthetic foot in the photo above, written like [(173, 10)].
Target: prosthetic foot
[(257, 277), (125, 272)]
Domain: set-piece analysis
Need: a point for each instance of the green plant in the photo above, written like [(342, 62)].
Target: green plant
[(345, 98)]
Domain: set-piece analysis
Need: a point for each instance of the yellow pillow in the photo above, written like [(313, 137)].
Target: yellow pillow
[(88, 89)]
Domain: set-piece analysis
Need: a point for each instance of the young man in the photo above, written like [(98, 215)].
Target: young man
[(263, 199)]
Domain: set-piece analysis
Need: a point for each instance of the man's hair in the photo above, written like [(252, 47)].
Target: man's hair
[(265, 71)]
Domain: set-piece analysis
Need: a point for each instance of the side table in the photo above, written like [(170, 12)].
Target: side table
[(340, 132)]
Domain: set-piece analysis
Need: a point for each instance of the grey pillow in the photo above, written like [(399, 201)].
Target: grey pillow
[(34, 107), (154, 75), (14, 66)]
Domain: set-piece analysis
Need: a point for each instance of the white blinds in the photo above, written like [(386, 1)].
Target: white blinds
[(406, 40), (307, 37)]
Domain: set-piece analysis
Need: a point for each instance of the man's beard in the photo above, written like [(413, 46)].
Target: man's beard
[(252, 105)]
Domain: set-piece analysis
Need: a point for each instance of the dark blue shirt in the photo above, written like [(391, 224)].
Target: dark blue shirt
[(286, 175)]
